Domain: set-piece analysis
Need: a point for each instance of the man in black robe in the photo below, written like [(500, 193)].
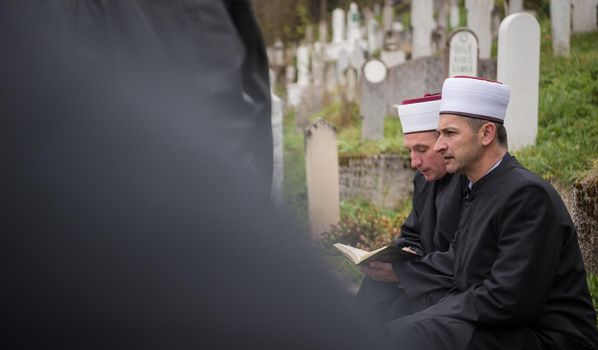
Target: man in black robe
[(389, 291), (519, 279), (129, 220)]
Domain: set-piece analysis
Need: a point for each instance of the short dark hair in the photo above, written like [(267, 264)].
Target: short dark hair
[(501, 132)]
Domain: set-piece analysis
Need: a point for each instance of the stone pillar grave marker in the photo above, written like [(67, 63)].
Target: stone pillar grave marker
[(351, 91), (422, 20), (519, 67), (353, 20), (278, 154), (322, 176), (387, 16), (479, 19), (560, 20), (463, 54), (338, 25), (584, 15), (454, 14), (372, 105), (303, 66)]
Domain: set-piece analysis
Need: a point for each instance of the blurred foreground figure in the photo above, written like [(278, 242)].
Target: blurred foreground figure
[(129, 218)]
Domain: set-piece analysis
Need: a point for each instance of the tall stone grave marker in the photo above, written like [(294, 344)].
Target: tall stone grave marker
[(323, 32), (353, 20), (351, 84), (560, 18), (454, 14), (338, 25), (322, 176), (463, 54), (303, 66), (479, 19), (372, 105), (519, 67), (422, 19), (277, 132), (515, 6), (342, 63), (317, 63), (584, 15), (387, 16), (374, 36)]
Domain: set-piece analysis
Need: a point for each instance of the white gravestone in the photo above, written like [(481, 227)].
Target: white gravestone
[(278, 54), (353, 20), (323, 32), (479, 19), (422, 20), (519, 67), (515, 6), (584, 15), (290, 72), (294, 95), (374, 36), (338, 25), (388, 16), (277, 135), (372, 105), (454, 13), (342, 63), (463, 54), (322, 177), (317, 63), (393, 58), (303, 66), (351, 84), (357, 59), (560, 18)]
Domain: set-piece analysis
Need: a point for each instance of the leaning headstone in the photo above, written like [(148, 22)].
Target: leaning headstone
[(351, 84), (584, 15), (387, 16), (515, 6), (463, 54), (560, 19), (303, 66), (454, 13), (422, 20), (479, 19), (353, 20), (338, 25), (373, 106), (277, 132), (519, 67), (322, 177)]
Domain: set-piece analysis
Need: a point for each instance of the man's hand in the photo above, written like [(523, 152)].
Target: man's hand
[(379, 271)]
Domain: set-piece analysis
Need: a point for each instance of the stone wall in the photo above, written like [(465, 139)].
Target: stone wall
[(386, 180), (585, 216), (417, 77)]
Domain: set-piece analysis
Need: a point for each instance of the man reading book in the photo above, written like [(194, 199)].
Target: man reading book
[(391, 290)]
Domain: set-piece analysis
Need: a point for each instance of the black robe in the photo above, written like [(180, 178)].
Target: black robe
[(429, 228), (519, 279)]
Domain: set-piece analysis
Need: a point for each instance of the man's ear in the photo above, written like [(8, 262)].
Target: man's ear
[(487, 133)]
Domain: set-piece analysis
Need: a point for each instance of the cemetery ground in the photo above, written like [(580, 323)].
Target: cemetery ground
[(566, 150)]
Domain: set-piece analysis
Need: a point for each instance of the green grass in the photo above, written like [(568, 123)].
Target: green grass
[(567, 142)]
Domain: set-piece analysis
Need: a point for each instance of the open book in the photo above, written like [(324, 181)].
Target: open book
[(385, 254)]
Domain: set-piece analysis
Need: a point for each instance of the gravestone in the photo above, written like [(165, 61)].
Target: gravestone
[(356, 59), (317, 63), (353, 20), (322, 176), (351, 86), (290, 74), (374, 36), (519, 67), (373, 107), (272, 76), (393, 58), (515, 6), (584, 15), (338, 25), (454, 13), (342, 63), (388, 16), (422, 21), (294, 95), (330, 77), (278, 147), (463, 54), (560, 19), (479, 19), (303, 66), (278, 56)]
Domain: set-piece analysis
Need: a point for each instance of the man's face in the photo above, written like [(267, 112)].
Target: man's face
[(458, 144), (423, 157)]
